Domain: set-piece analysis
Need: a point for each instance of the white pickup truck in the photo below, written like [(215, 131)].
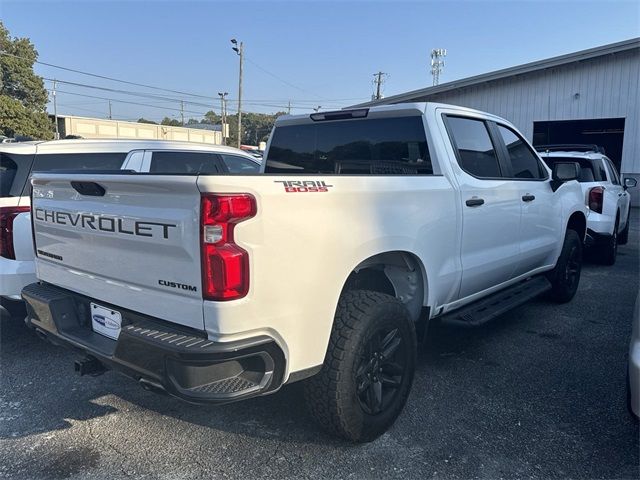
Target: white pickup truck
[(365, 225)]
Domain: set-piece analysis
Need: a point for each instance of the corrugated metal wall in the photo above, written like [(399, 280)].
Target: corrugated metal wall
[(608, 88)]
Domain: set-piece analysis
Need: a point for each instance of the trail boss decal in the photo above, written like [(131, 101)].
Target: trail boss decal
[(304, 186)]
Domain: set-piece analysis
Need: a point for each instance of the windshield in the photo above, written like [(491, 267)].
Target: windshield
[(383, 146)]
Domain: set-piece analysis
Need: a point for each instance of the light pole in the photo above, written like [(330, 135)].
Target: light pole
[(55, 110), (239, 49), (223, 114)]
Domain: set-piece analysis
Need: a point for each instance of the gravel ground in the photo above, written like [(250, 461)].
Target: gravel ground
[(539, 393)]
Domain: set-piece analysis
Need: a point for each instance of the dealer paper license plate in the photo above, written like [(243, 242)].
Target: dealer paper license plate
[(105, 321)]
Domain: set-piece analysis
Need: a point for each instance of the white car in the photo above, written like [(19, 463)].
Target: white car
[(604, 192), (365, 224), (19, 160)]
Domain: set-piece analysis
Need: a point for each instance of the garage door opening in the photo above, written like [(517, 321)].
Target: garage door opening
[(604, 132)]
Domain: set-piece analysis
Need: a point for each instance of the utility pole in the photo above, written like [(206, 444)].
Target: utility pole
[(437, 64), (289, 108), (55, 109), (109, 109), (378, 80), (239, 49), (182, 112), (223, 114)]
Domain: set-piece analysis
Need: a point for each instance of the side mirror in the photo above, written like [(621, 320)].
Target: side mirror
[(564, 172), (630, 182)]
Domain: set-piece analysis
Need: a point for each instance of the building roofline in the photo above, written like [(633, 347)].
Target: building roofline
[(612, 48)]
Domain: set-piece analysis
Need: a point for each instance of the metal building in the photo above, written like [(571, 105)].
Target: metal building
[(591, 96)]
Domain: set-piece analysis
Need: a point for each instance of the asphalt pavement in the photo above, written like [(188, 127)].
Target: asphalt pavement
[(539, 393)]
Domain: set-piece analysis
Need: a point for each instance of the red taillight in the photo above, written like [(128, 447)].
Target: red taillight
[(595, 199), (225, 266), (7, 216)]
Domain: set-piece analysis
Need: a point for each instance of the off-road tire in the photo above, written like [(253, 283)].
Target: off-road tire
[(333, 397), (565, 277), (607, 252)]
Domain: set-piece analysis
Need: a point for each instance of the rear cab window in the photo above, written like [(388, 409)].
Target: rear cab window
[(78, 161), (367, 146)]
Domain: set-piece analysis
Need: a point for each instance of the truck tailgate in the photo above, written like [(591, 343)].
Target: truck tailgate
[(129, 240)]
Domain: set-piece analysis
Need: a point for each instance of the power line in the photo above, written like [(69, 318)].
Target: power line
[(281, 79), (104, 77)]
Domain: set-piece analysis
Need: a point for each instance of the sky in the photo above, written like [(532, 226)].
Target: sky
[(311, 53)]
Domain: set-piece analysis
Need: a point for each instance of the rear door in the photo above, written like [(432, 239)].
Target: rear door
[(541, 225), (491, 207), (129, 240)]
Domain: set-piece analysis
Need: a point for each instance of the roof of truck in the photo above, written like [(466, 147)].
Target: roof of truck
[(113, 145)]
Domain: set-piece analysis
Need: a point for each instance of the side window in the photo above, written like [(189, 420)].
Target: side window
[(476, 154), (79, 161), (184, 163), (603, 172), (524, 162), (615, 177), (238, 164)]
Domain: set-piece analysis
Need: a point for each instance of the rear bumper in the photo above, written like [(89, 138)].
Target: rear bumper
[(163, 356)]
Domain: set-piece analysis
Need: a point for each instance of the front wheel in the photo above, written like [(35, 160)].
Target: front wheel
[(565, 277), (368, 369)]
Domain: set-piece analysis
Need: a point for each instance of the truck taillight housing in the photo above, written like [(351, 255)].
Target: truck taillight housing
[(225, 266), (7, 216), (595, 199)]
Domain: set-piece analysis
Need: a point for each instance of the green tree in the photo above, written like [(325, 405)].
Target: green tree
[(23, 98), (172, 122), (144, 120)]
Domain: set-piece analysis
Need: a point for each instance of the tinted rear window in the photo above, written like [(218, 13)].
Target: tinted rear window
[(78, 161), (382, 146), (14, 171), (184, 163), (589, 171)]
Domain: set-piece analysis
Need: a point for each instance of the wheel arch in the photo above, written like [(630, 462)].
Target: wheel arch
[(398, 273), (578, 222)]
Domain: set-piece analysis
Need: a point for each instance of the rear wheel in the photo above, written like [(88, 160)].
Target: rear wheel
[(368, 369), (565, 277), (608, 251)]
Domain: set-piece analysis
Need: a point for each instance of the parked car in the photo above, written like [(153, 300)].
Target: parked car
[(19, 160), (220, 288), (604, 192)]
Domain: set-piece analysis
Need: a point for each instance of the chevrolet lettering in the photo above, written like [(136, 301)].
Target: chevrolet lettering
[(104, 223)]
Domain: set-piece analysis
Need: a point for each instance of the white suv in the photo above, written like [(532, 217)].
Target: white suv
[(19, 160), (604, 192)]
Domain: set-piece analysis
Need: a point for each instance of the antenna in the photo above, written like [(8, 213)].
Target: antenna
[(437, 63)]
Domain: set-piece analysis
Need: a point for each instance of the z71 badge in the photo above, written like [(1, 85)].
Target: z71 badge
[(304, 186)]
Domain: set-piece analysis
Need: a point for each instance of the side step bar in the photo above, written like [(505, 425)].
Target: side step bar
[(484, 310)]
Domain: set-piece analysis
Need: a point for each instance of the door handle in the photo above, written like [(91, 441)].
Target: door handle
[(528, 198), (474, 202)]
